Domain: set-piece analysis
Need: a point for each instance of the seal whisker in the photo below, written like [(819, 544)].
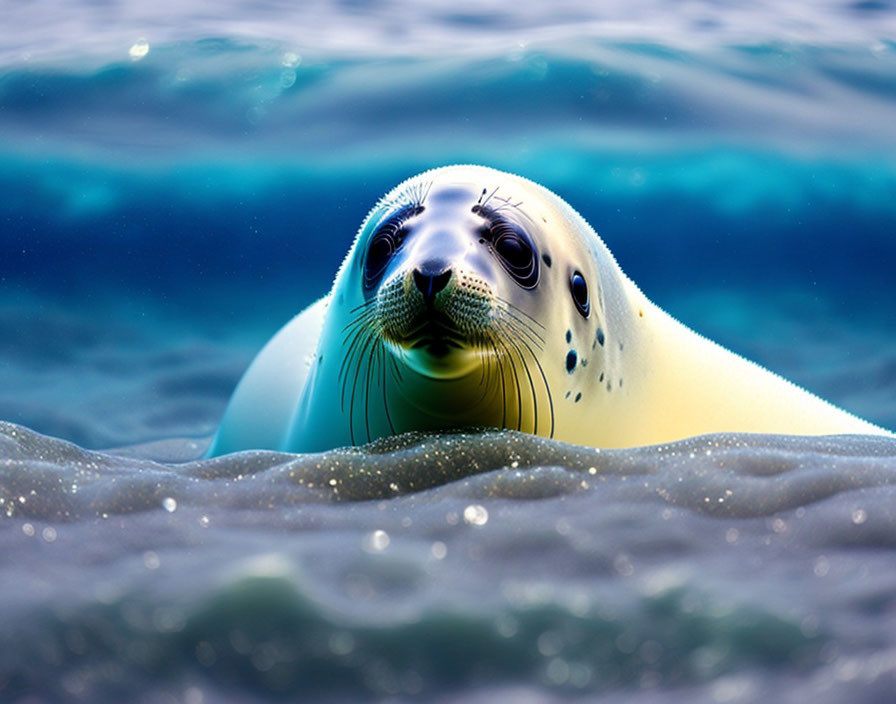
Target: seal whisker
[(382, 353), (352, 356), (500, 365), (519, 327), (516, 381), (479, 344), (346, 365), (351, 408), (519, 310), (363, 317), (370, 360), (519, 352), (547, 386), (356, 336), (366, 304)]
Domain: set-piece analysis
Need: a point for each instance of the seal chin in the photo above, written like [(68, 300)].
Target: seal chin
[(437, 349), (441, 361)]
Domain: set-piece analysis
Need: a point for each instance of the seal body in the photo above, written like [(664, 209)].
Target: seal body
[(473, 297)]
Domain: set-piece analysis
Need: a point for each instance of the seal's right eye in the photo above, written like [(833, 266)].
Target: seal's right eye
[(384, 243)]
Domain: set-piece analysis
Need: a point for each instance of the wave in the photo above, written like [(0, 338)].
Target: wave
[(444, 566)]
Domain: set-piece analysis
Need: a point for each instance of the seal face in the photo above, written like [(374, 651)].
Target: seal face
[(472, 297)]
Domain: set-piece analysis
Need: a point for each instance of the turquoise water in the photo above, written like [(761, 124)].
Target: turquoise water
[(178, 185)]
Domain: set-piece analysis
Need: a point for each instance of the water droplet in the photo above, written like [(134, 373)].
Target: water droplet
[(291, 59), (377, 541), (439, 550), (550, 643), (139, 49), (558, 671), (287, 78), (475, 515)]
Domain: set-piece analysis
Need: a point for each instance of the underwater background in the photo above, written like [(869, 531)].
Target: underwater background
[(177, 180)]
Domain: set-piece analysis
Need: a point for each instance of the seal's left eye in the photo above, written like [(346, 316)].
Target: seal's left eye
[(579, 290)]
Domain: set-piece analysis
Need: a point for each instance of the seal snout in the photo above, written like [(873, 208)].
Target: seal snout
[(431, 277)]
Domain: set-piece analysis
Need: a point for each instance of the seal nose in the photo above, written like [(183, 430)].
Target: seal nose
[(430, 278)]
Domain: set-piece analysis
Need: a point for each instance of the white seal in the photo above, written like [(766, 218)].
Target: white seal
[(473, 297)]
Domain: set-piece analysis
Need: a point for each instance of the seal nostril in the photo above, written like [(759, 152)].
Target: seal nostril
[(430, 283)]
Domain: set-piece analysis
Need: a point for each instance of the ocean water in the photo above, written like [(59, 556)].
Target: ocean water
[(178, 182)]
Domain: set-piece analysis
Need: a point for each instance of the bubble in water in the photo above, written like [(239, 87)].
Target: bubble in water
[(859, 516), (151, 560), (475, 515), (139, 49), (557, 671), (169, 504), (287, 78), (439, 550), (49, 534), (377, 541)]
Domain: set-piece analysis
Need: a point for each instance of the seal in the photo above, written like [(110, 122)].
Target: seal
[(473, 297)]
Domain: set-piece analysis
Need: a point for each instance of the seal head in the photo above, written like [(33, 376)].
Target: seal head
[(451, 274)]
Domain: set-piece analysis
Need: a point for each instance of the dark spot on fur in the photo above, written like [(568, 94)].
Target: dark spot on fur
[(546, 258), (601, 376), (578, 396), (569, 335), (600, 337), (567, 394), (571, 361), (609, 385), (584, 362), (620, 382)]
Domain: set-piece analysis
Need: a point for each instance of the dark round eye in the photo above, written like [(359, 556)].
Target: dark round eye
[(384, 243), (382, 247), (515, 252), (579, 290)]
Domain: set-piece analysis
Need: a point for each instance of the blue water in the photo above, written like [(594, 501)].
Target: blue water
[(177, 184)]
